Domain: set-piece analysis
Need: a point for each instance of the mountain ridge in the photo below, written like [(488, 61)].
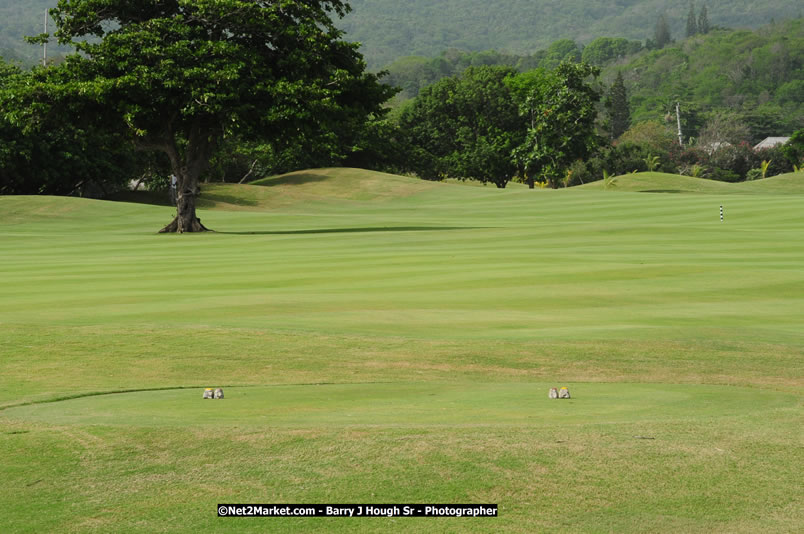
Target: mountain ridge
[(389, 29)]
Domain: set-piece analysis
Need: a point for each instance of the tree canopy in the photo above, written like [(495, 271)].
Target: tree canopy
[(618, 108), (465, 127), (692, 21), (180, 76), (661, 34), (605, 49), (560, 108), (492, 124), (55, 157)]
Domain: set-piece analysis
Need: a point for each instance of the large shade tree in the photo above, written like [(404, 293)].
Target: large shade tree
[(465, 127), (58, 157), (182, 75), (560, 108)]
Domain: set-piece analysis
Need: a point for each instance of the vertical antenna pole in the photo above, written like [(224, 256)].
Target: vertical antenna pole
[(44, 45)]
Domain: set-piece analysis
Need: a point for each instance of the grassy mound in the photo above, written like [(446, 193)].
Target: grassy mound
[(657, 182), (342, 184), (314, 185), (791, 183)]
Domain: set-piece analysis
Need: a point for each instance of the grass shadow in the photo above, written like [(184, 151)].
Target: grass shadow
[(154, 198), (293, 179), (212, 200), (357, 230)]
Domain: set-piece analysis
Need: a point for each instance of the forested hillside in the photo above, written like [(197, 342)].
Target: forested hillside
[(758, 74), (389, 29)]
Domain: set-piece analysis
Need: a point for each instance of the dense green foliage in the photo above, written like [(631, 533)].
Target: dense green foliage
[(794, 149), (651, 146), (491, 124), (618, 108), (703, 25), (390, 29), (733, 86), (465, 127), (720, 119), (759, 75), (53, 156), (560, 111), (606, 49), (181, 77), (692, 21), (413, 73)]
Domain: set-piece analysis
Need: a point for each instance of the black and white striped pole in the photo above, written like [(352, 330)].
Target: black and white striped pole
[(721, 213)]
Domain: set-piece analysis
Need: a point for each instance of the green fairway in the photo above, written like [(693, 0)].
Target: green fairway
[(382, 339)]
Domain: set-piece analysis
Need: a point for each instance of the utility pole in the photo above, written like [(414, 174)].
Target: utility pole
[(678, 119), (44, 45)]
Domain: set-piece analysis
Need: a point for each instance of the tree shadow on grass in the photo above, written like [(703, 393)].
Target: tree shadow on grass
[(154, 198), (292, 179), (357, 230), (213, 199)]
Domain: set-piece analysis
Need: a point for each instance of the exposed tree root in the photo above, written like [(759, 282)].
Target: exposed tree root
[(175, 226)]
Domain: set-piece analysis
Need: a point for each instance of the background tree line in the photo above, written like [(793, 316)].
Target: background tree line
[(552, 118), (563, 127), (757, 75)]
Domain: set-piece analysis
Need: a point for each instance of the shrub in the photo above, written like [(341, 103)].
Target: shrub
[(627, 157), (657, 137), (794, 149), (724, 175), (779, 164), (690, 161), (737, 159), (754, 174)]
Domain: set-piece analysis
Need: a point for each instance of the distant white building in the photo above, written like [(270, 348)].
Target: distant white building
[(711, 148), (770, 142)]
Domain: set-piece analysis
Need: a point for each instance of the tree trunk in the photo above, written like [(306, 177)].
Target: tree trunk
[(531, 185), (188, 170), (186, 219)]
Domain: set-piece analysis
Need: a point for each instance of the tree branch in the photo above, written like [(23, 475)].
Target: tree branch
[(250, 170)]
